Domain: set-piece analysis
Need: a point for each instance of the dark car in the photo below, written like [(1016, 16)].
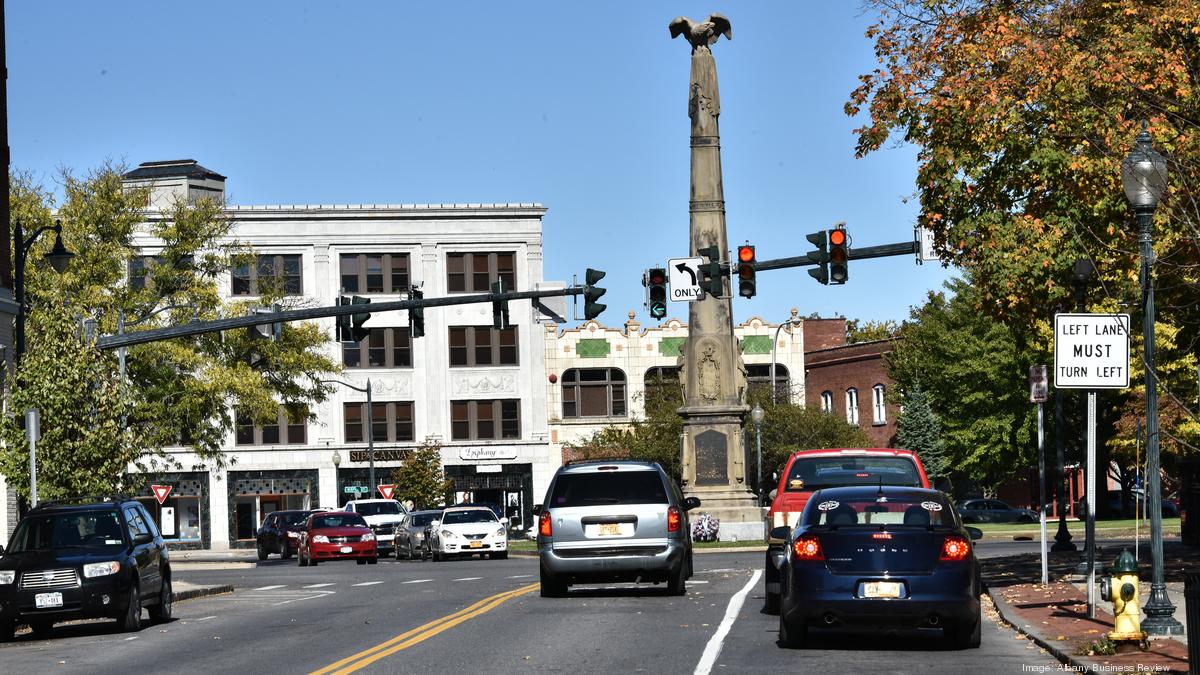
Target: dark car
[(885, 557), (86, 560), (280, 533), (336, 535), (993, 511), (1135, 506), (412, 534)]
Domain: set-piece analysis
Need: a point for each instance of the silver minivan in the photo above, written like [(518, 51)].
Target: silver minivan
[(614, 521)]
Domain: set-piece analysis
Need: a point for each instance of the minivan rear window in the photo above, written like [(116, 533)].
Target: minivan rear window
[(609, 487), (816, 473)]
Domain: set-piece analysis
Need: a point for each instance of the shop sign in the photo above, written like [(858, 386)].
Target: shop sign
[(486, 454), (390, 455)]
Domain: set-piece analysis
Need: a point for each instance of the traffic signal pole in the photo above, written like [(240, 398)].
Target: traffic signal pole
[(201, 327), (857, 253)]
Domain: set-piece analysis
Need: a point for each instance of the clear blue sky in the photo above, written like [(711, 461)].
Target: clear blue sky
[(579, 106)]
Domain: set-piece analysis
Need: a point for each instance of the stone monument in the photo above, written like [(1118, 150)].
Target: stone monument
[(712, 375)]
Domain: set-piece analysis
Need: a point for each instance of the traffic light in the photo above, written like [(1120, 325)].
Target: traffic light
[(592, 293), (839, 256), (819, 256), (416, 315), (499, 308), (710, 272), (746, 272), (655, 282), (350, 326)]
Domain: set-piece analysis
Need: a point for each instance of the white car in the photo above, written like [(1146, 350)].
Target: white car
[(467, 530), (382, 515)]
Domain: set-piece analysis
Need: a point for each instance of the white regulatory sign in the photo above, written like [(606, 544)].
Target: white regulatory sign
[(683, 275), (1091, 351)]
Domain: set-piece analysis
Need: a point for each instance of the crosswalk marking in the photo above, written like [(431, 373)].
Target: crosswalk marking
[(416, 581), (368, 583), (269, 588)]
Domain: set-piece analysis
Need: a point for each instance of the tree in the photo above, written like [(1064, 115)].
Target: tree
[(421, 478), (870, 330), (178, 392), (918, 429)]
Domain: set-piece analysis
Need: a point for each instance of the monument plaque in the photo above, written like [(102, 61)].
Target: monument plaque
[(712, 450)]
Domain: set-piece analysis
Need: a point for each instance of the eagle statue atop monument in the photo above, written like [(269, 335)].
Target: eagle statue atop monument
[(702, 34)]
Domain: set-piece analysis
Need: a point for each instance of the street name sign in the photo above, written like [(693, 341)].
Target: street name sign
[(1091, 351), (356, 489), (683, 278)]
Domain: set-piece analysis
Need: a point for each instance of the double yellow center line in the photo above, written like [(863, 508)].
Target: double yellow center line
[(421, 633)]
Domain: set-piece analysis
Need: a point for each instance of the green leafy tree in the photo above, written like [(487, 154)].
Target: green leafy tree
[(918, 429), (179, 391), (421, 478), (869, 331)]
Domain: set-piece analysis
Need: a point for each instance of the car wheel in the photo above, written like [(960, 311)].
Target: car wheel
[(965, 636), (161, 612), (132, 621), (300, 559), (262, 552), (791, 636), (437, 556), (285, 552), (41, 628), (771, 604), (677, 584), (551, 587)]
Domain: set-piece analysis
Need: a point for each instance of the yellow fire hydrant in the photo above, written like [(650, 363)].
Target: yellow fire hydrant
[(1121, 588)]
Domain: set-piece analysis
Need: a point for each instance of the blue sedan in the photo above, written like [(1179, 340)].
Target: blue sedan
[(886, 557)]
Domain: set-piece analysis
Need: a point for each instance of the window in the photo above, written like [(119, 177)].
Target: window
[(758, 376), (593, 392), (485, 420), (827, 401), (375, 273), (475, 272), (852, 406), (880, 408), (284, 269), (289, 428), (390, 421), (483, 346), (383, 348)]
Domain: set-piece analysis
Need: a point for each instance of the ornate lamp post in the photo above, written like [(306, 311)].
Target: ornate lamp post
[(337, 461), (757, 416), (59, 257), (1144, 177)]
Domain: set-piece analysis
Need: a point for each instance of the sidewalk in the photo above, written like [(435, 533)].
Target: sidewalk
[(1055, 615)]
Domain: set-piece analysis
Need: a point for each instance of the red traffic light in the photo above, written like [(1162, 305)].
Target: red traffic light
[(746, 253), (658, 276), (837, 237)]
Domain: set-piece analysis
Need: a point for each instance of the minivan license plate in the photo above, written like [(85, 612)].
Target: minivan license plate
[(47, 600), (881, 589)]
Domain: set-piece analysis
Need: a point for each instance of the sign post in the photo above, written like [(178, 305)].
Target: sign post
[(1038, 390)]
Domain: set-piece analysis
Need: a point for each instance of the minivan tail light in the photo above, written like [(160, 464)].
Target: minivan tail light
[(808, 547), (955, 548), (545, 528), (674, 518)]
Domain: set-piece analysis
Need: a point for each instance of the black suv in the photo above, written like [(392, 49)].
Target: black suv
[(84, 560)]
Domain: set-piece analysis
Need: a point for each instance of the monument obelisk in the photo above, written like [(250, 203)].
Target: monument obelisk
[(713, 376)]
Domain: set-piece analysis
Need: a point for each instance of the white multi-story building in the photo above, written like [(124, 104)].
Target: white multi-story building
[(475, 389)]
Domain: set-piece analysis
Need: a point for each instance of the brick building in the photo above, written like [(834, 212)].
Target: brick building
[(849, 379)]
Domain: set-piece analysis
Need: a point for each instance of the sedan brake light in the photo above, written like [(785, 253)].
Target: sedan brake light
[(955, 548), (808, 547), (545, 528), (674, 517)]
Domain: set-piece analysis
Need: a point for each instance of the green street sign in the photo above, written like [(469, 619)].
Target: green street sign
[(355, 489)]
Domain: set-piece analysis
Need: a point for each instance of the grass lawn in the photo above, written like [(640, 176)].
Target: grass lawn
[(1077, 526)]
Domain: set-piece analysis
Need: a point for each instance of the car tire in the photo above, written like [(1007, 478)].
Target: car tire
[(300, 559), (771, 603), (551, 586), (285, 552), (965, 636), (437, 556), (161, 613), (677, 583), (132, 620), (412, 554), (262, 552), (791, 635), (41, 629)]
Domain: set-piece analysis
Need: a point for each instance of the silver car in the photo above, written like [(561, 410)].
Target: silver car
[(613, 521)]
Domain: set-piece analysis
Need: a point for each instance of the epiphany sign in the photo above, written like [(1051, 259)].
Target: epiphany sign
[(1091, 351)]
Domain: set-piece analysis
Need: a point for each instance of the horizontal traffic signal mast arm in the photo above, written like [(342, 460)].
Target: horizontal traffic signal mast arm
[(200, 327), (856, 253)]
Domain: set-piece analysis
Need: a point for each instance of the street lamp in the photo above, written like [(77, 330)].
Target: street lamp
[(337, 461), (59, 257), (1144, 177), (370, 431), (757, 416), (793, 321)]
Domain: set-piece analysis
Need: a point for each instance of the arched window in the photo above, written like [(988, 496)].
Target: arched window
[(827, 401), (880, 409), (852, 406), (593, 392)]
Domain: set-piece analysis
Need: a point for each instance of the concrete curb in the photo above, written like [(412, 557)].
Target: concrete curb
[(201, 591), (1007, 612)]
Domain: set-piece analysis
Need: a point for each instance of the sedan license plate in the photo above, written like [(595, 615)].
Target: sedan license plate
[(881, 589), (47, 600), (476, 544), (347, 549)]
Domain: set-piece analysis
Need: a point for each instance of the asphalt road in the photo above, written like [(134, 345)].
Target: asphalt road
[(486, 616)]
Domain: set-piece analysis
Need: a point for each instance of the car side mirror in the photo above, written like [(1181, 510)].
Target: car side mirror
[(504, 521), (690, 503), (772, 494), (975, 533), (142, 538), (780, 533)]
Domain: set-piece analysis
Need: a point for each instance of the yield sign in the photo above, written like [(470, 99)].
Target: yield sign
[(161, 492), (387, 490)]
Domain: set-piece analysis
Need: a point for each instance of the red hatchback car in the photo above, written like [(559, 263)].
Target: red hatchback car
[(336, 535)]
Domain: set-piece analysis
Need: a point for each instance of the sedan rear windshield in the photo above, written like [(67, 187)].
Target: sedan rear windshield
[(919, 510), (80, 529), (816, 473), (350, 520), (378, 508), (615, 487), (423, 519)]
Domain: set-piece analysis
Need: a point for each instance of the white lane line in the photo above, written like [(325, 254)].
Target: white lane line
[(469, 579), (131, 638), (268, 588), (520, 576), (693, 581), (368, 583), (317, 585), (416, 581), (713, 649), (206, 618), (319, 594)]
